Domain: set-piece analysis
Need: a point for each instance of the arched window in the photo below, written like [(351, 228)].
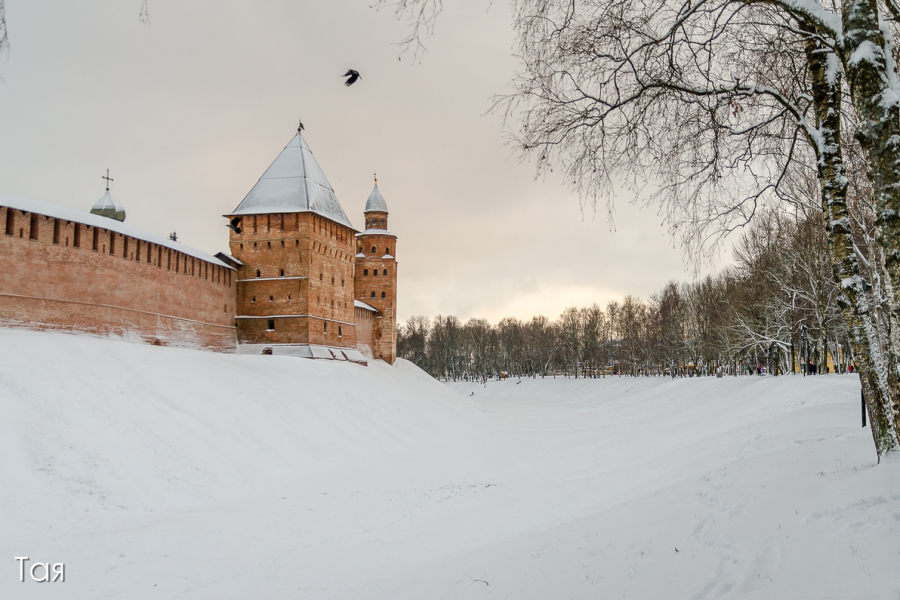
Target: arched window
[(373, 249), (382, 222), (270, 245), (373, 294), (258, 274), (387, 250), (382, 294), (282, 272), (375, 272), (385, 272)]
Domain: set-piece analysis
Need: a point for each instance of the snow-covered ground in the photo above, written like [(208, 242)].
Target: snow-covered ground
[(167, 473)]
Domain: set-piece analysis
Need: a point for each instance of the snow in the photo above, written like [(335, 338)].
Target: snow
[(866, 51), (360, 304), (375, 232), (70, 214), (163, 472)]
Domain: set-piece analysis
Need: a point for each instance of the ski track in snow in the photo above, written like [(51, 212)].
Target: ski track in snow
[(173, 473)]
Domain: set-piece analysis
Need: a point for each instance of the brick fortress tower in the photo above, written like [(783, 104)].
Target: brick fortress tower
[(376, 275), (295, 251)]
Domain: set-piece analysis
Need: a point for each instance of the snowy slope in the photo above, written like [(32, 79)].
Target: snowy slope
[(168, 473)]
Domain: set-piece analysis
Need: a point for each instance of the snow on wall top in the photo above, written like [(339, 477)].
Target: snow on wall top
[(375, 202), (70, 214), (294, 182)]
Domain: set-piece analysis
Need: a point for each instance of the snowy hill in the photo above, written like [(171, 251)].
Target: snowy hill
[(160, 473)]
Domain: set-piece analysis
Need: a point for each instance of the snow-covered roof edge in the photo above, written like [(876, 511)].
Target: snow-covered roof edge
[(375, 232), (359, 304), (70, 214)]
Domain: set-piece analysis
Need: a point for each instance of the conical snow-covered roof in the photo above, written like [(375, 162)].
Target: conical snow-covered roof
[(107, 206), (376, 202), (294, 182)]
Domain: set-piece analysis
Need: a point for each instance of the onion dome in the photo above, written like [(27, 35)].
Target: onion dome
[(107, 206), (376, 202)]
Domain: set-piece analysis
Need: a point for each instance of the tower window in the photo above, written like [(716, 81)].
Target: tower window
[(298, 243), (387, 250), (373, 294), (282, 243), (365, 272), (382, 294), (253, 299), (254, 246), (385, 272), (282, 272), (270, 325), (326, 326), (269, 245), (321, 276), (382, 222), (375, 272), (271, 299), (332, 281), (373, 249), (257, 273), (339, 332)]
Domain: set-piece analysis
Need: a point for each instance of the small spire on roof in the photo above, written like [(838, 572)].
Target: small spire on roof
[(300, 127), (108, 179), (376, 178)]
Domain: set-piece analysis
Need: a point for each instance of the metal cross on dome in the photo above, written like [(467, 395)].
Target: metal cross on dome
[(108, 179)]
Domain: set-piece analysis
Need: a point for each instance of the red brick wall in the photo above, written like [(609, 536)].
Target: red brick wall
[(298, 272), (47, 282), (379, 291)]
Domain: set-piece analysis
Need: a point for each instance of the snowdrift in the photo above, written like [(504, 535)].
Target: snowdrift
[(160, 472)]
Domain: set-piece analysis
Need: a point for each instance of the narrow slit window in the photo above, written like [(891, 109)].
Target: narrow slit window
[(96, 239), (270, 325)]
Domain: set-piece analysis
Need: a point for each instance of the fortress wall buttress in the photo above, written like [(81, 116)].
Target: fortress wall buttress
[(68, 275)]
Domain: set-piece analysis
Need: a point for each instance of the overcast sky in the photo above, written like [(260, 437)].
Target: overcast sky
[(188, 112)]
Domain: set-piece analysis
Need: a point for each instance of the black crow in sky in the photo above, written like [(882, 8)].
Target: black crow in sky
[(352, 76)]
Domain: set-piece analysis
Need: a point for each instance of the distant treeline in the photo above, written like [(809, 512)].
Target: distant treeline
[(776, 309)]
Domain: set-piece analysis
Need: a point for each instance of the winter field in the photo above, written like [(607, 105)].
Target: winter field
[(170, 473)]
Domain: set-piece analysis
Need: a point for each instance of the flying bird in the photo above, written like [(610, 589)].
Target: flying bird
[(352, 76)]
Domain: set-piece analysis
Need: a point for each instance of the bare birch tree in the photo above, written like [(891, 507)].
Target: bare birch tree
[(704, 107)]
